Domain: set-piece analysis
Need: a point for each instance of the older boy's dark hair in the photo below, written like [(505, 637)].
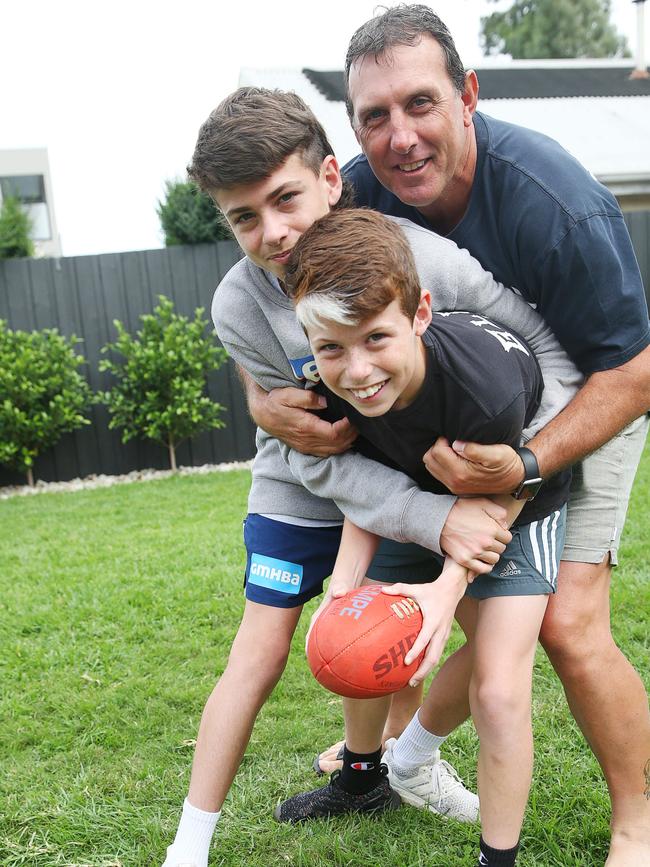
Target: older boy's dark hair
[(350, 265), (402, 25), (250, 134)]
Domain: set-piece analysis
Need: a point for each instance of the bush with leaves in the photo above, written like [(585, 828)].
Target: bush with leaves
[(188, 216), (15, 229), (42, 394), (161, 381), (553, 28)]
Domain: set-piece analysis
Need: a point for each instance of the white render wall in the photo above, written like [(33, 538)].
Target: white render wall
[(34, 161)]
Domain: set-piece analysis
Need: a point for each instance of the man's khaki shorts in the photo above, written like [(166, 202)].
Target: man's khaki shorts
[(600, 492)]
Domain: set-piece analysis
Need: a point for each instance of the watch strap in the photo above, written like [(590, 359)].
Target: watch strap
[(531, 467), (532, 481)]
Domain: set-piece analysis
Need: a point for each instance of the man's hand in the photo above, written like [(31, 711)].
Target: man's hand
[(437, 602), (476, 534), (471, 468), (287, 413)]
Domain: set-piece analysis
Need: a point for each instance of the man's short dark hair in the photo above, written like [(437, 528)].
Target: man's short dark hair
[(402, 25)]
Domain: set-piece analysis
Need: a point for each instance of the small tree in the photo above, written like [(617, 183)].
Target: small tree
[(188, 216), (161, 381), (553, 29), (42, 394), (15, 229)]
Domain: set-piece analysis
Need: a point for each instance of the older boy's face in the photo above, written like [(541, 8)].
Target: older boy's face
[(377, 365), (268, 217)]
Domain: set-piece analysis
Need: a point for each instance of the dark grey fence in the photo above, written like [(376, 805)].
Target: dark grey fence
[(638, 224), (82, 296)]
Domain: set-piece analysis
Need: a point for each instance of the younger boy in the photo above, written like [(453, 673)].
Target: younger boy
[(266, 161), (404, 377)]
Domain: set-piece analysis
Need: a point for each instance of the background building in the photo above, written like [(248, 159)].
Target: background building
[(25, 175)]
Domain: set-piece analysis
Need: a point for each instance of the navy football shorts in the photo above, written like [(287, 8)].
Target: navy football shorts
[(287, 564)]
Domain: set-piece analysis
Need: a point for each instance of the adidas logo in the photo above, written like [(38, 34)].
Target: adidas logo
[(511, 568)]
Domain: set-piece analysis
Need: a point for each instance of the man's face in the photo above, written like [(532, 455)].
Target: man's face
[(377, 365), (414, 127), (267, 217)]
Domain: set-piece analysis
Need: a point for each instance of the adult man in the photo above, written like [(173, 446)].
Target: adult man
[(535, 218), (539, 222)]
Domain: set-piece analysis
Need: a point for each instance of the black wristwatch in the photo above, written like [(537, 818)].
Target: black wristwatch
[(533, 481)]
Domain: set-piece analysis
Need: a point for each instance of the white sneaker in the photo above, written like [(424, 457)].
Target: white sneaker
[(435, 787)]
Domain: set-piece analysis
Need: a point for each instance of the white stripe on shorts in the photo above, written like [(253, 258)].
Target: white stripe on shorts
[(556, 518), (546, 537), (532, 532)]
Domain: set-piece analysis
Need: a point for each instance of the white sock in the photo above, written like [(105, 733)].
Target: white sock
[(192, 842), (415, 747)]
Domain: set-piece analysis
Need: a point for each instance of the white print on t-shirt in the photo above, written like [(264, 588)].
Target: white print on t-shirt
[(507, 340)]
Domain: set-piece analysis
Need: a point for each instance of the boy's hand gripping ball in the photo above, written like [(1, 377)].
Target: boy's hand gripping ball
[(357, 645)]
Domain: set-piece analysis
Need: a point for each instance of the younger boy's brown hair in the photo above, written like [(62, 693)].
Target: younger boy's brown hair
[(349, 266)]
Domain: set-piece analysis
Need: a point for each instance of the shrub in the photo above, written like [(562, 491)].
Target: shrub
[(15, 228), (188, 216), (42, 394), (161, 381)]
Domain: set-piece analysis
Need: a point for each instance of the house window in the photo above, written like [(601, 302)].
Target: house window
[(30, 192)]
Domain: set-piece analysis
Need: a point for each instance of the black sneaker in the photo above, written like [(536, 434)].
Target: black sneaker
[(332, 800)]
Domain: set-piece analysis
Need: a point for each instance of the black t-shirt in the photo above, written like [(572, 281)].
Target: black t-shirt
[(482, 384)]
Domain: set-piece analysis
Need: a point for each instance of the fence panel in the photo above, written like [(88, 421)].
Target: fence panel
[(638, 225), (83, 296)]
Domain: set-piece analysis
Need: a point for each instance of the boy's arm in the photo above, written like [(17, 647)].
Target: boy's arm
[(390, 504), (356, 550), (438, 601)]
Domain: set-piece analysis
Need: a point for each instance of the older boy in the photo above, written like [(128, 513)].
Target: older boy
[(405, 378), (266, 161)]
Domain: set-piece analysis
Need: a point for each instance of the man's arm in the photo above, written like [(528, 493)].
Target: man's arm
[(609, 400), (288, 414)]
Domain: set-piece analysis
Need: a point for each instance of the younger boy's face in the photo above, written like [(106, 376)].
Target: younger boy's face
[(268, 216), (377, 365)]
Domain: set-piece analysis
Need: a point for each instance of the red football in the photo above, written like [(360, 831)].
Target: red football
[(358, 644)]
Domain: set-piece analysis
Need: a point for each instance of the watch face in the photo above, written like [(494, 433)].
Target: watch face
[(528, 489)]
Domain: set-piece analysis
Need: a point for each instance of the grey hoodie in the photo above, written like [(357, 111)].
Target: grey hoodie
[(256, 323)]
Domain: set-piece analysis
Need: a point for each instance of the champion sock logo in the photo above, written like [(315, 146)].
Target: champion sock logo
[(510, 568), (363, 766)]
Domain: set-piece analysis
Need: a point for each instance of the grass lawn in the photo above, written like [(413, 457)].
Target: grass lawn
[(118, 607)]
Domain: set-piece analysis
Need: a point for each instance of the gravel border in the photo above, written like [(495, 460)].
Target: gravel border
[(108, 481)]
